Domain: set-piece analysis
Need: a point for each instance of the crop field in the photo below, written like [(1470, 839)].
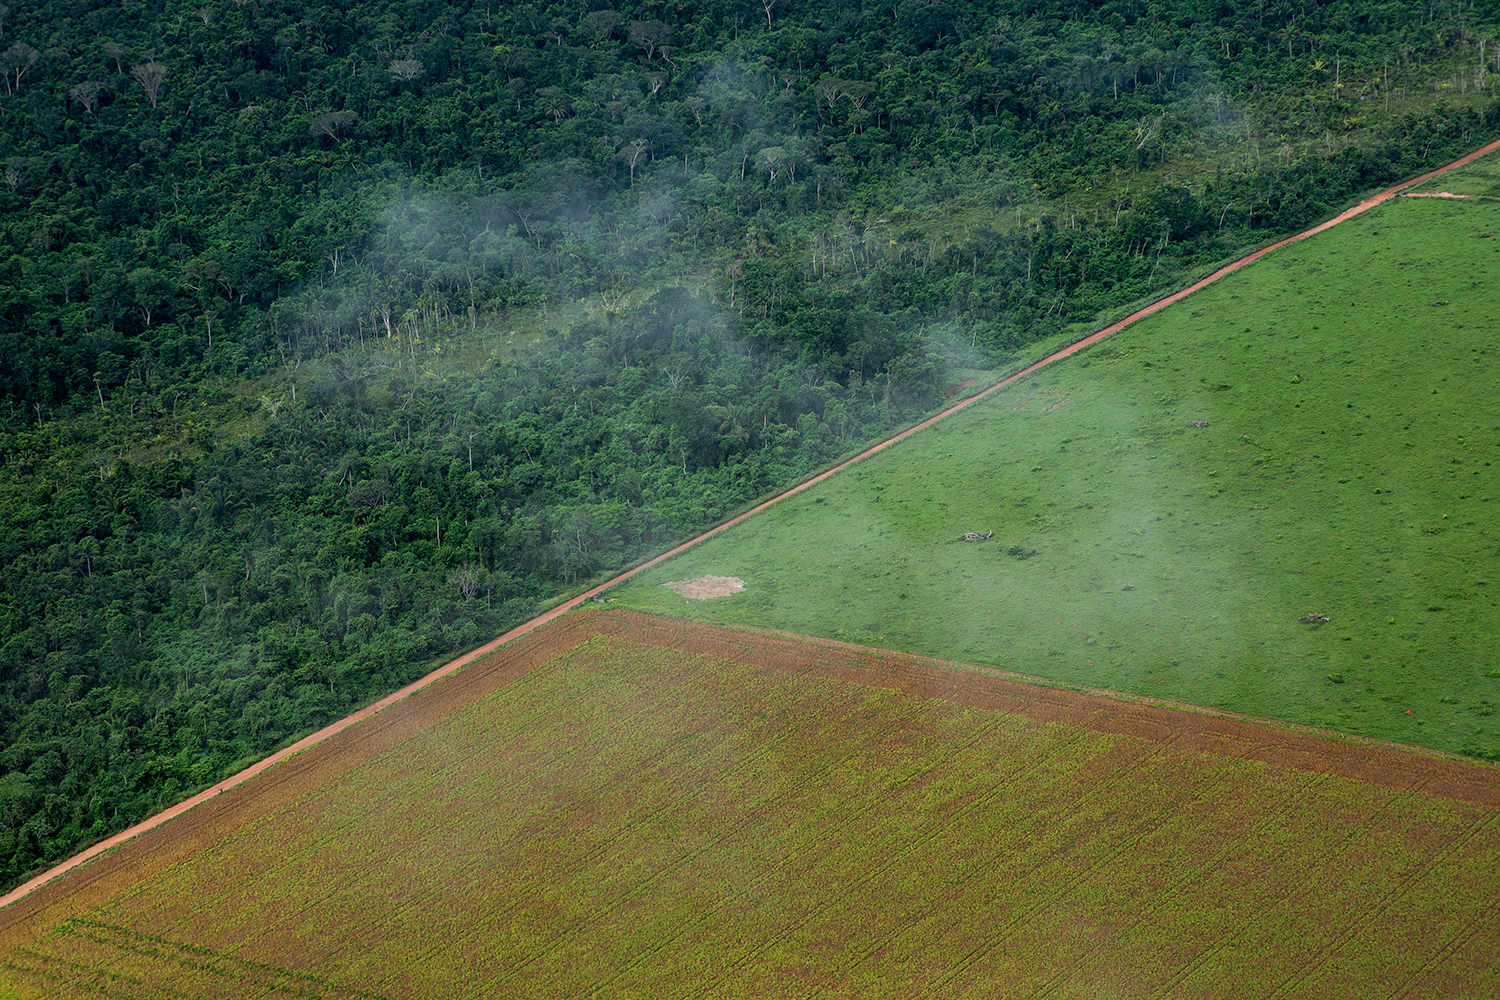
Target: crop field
[(1314, 434), (627, 806)]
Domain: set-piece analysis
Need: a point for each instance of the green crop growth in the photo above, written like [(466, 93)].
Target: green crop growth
[(636, 821)]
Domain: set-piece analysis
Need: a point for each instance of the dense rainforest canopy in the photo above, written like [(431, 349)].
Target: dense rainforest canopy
[(335, 338)]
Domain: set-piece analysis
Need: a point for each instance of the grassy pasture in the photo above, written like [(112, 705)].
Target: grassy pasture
[(756, 818), (1481, 178), (1346, 469)]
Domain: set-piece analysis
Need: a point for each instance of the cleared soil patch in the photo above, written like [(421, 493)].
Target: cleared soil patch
[(706, 587), (1440, 194), (624, 806)]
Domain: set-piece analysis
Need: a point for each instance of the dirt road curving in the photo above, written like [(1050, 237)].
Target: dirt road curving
[(462, 661)]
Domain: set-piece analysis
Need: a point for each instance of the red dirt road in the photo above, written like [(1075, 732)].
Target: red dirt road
[(334, 728)]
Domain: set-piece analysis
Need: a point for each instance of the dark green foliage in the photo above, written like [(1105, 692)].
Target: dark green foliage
[(302, 174), (260, 264), (164, 622)]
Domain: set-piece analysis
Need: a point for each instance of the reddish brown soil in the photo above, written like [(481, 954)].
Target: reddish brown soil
[(681, 906), (198, 829), (1184, 726)]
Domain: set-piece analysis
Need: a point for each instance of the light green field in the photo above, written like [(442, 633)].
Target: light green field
[(1345, 470), (1480, 178)]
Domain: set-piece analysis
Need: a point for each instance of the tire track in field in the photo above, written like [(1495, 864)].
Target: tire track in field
[(1483, 922), (987, 946), (229, 971), (1036, 871), (1371, 914), (577, 863), (791, 858), (758, 813), (215, 966), (765, 809), (1216, 861), (1203, 958), (586, 922), (48, 970), (1017, 766), (845, 824), (57, 971)]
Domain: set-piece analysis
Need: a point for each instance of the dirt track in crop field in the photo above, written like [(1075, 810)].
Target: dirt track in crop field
[(486, 650), (208, 823)]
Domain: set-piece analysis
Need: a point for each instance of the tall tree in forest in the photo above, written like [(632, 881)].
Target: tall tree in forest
[(150, 76)]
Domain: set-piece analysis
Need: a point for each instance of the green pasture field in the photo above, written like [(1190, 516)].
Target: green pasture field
[(1350, 386), (630, 821), (1481, 178)]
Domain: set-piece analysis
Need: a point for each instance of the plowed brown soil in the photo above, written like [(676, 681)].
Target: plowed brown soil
[(562, 855), (193, 829), (1186, 727)]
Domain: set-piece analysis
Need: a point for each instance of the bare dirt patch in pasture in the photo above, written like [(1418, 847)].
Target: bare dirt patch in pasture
[(1443, 194), (707, 587), (624, 805)]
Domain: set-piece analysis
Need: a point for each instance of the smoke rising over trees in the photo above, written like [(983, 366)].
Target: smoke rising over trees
[(271, 446)]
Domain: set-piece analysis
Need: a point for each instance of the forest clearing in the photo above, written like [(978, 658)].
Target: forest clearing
[(641, 806), (1311, 435), (340, 338)]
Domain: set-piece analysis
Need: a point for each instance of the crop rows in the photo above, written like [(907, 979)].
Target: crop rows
[(129, 963), (637, 817)]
